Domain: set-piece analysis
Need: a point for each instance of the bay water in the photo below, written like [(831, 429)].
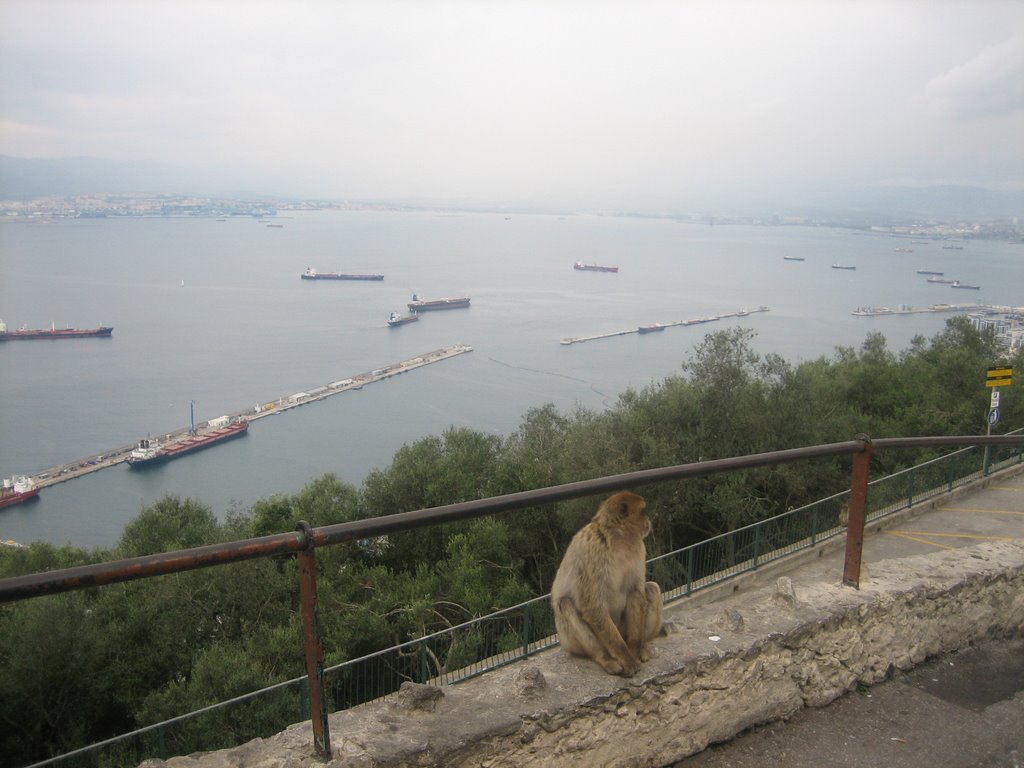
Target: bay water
[(215, 313)]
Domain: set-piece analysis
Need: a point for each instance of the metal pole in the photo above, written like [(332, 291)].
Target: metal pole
[(855, 520), (994, 398), (314, 650)]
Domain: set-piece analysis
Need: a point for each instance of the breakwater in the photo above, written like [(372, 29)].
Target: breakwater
[(99, 461), (662, 326)]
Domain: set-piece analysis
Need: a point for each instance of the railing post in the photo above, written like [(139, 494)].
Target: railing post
[(314, 649), (527, 630), (857, 514)]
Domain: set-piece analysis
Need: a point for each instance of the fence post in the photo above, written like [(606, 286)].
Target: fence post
[(527, 630), (313, 646), (857, 514)]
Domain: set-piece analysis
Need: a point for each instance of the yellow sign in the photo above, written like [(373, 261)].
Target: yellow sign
[(999, 377)]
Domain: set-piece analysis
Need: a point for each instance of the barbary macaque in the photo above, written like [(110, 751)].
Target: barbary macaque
[(603, 607)]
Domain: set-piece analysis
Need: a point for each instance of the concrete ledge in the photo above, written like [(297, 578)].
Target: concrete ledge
[(751, 657)]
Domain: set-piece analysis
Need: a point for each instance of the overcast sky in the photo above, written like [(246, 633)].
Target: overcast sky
[(639, 104)]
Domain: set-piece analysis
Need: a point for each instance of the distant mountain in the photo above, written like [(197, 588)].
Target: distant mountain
[(23, 178), (942, 202)]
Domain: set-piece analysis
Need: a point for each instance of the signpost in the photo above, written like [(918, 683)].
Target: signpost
[(996, 377)]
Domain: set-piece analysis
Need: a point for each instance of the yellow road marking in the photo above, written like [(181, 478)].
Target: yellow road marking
[(981, 510), (954, 535), (1018, 489), (901, 535)]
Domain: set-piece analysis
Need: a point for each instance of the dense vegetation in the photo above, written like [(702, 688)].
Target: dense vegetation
[(82, 666)]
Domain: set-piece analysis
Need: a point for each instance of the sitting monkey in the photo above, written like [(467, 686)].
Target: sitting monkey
[(603, 608)]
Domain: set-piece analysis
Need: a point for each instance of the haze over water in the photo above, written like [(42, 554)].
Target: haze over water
[(215, 312)]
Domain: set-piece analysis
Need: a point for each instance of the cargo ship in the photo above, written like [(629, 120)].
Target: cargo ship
[(929, 272), (793, 258), (396, 319), (903, 250), (843, 266), (651, 328), (54, 333), (419, 305), (968, 286), (940, 280), (312, 274), (593, 267), (149, 452), (16, 490)]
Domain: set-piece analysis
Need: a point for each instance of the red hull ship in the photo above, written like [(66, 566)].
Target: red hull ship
[(149, 452), (17, 490), (54, 333)]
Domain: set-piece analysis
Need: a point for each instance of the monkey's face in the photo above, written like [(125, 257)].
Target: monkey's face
[(630, 513)]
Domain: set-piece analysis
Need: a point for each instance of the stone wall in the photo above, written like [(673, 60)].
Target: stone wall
[(753, 656)]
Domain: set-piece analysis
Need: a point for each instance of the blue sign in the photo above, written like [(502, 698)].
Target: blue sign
[(993, 416)]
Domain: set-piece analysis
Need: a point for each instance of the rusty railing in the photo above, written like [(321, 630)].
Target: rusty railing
[(305, 539)]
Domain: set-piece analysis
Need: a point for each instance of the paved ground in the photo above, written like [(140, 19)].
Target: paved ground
[(964, 710)]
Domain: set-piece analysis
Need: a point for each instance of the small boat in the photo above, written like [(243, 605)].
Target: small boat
[(16, 490), (903, 250), (651, 328), (397, 319), (593, 267), (312, 274), (843, 266), (929, 272), (793, 258), (419, 305), (968, 286)]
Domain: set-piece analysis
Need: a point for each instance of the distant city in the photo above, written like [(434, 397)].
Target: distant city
[(102, 205)]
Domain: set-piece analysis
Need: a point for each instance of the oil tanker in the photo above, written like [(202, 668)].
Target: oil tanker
[(312, 274), (149, 452), (593, 267), (419, 305), (54, 333)]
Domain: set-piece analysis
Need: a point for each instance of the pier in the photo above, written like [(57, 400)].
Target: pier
[(662, 326), (116, 456)]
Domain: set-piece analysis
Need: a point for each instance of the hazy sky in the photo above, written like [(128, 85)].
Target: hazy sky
[(639, 104)]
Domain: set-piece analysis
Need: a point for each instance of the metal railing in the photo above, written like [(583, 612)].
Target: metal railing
[(472, 648)]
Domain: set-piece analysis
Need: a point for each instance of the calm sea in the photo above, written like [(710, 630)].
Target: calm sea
[(214, 312)]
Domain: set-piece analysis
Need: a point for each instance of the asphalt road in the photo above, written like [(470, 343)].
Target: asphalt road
[(962, 710)]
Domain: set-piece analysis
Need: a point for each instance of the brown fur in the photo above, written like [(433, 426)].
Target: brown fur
[(603, 607)]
